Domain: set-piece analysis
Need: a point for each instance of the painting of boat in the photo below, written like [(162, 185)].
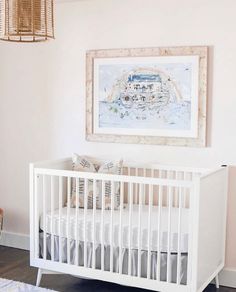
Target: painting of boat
[(144, 96)]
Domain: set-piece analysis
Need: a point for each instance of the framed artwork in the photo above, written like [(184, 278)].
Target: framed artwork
[(149, 96)]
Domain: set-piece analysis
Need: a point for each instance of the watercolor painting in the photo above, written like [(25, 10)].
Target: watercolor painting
[(152, 96), (147, 95)]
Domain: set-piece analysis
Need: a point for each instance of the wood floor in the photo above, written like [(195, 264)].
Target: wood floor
[(14, 264)]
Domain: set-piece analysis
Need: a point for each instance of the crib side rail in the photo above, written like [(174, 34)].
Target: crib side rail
[(210, 229)]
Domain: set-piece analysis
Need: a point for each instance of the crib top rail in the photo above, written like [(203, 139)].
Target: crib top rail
[(65, 164), (113, 177)]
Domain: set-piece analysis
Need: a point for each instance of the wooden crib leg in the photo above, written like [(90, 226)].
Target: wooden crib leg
[(39, 277), (217, 281)]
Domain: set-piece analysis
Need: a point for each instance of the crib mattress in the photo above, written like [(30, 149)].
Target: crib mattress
[(52, 226)]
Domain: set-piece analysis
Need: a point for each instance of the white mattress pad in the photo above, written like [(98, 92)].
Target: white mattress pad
[(54, 225)]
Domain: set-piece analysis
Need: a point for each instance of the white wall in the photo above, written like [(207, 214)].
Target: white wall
[(42, 90)]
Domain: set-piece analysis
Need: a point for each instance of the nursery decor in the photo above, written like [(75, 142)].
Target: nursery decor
[(155, 239), (26, 20), (149, 96)]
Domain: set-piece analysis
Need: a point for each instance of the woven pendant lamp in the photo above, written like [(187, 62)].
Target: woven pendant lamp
[(26, 20)]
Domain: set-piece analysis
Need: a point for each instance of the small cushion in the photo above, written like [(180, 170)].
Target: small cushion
[(82, 163), (110, 167)]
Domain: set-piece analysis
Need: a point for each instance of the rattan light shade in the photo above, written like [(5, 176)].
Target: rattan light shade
[(26, 20)]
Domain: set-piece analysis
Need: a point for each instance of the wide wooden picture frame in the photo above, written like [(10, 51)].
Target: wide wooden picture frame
[(147, 96)]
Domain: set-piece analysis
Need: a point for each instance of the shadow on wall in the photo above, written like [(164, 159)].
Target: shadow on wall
[(231, 220)]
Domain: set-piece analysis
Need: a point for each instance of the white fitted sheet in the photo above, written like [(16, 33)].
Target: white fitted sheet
[(125, 227)]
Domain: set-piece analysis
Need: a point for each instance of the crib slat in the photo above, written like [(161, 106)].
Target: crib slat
[(68, 218), (52, 218), (176, 176), (112, 219), (44, 219), (121, 226), (76, 222), (160, 196), (185, 190), (190, 235), (170, 198), (136, 188), (150, 203), (94, 221), (85, 219), (102, 225), (144, 172), (179, 236), (130, 224), (141, 193), (60, 211), (36, 218), (144, 192), (129, 171)]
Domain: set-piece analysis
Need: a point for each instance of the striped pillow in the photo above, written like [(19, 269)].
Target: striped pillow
[(82, 163), (110, 167)]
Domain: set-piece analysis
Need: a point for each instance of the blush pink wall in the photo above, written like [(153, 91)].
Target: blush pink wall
[(42, 112)]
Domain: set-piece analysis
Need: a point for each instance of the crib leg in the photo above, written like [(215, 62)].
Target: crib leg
[(217, 281), (39, 277)]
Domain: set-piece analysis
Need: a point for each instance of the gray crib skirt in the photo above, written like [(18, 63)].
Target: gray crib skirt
[(125, 255)]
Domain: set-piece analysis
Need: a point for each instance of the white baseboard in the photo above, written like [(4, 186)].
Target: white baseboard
[(16, 240), (227, 277)]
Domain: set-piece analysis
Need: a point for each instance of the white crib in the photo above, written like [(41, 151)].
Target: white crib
[(168, 234)]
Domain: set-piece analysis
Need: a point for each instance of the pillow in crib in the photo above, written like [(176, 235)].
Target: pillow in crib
[(110, 167), (83, 164)]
